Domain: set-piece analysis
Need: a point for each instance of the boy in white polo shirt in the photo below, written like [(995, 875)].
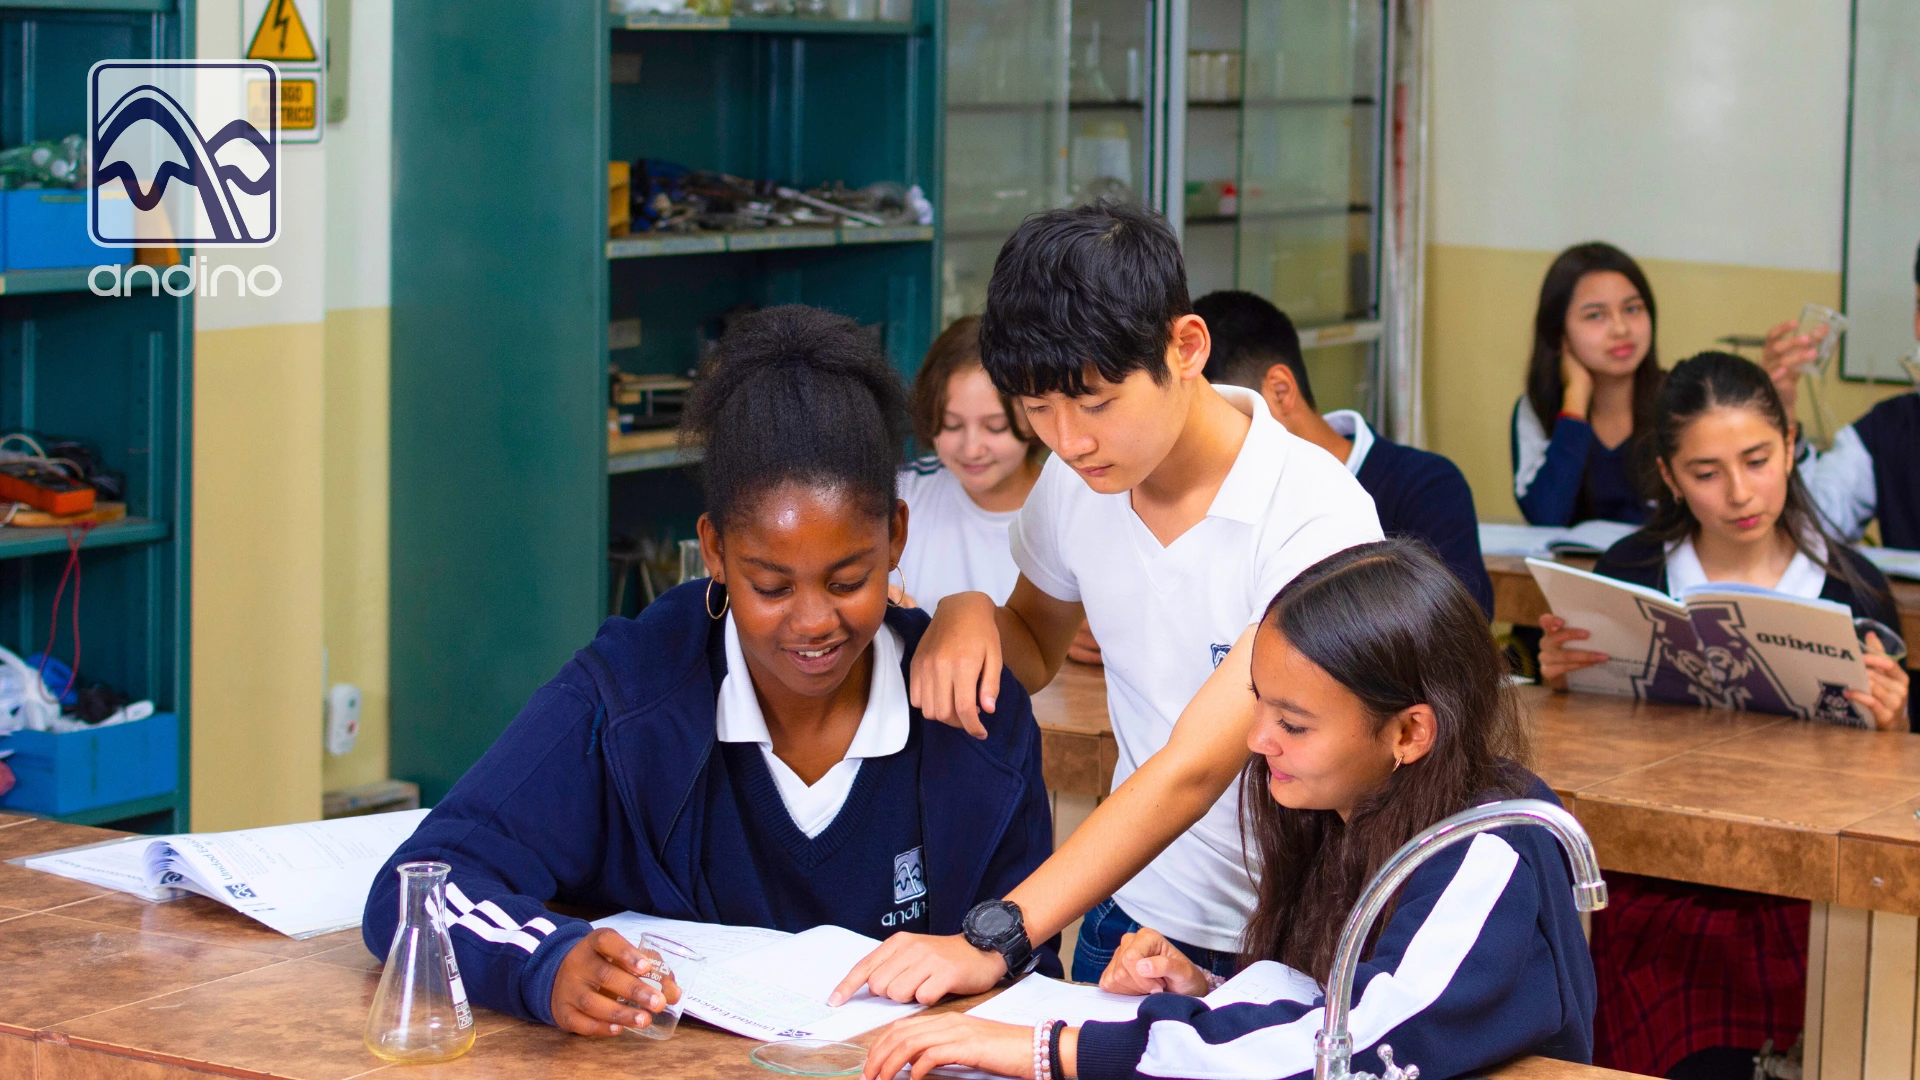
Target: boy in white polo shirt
[(1170, 513)]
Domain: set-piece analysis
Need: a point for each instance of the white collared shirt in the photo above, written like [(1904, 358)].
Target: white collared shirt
[(1165, 616), (952, 544), (1803, 578), (883, 730), (1351, 425)]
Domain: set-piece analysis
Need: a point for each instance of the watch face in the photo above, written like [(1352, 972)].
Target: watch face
[(992, 921)]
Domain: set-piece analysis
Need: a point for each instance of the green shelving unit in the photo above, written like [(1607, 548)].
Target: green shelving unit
[(114, 372), (505, 280)]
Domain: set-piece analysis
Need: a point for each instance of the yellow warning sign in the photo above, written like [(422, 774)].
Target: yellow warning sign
[(282, 36), (299, 104)]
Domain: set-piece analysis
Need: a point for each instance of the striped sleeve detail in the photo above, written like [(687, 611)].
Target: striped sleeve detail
[(1390, 999), (488, 922)]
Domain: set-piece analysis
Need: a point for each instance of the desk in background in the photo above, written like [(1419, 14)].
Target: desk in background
[(1517, 598), (1737, 800)]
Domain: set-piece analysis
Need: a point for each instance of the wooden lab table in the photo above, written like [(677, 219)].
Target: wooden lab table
[(1743, 801), (1517, 598), (104, 986)]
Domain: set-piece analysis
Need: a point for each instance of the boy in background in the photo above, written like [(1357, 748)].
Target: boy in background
[(1870, 471), (1169, 514), (1418, 494)]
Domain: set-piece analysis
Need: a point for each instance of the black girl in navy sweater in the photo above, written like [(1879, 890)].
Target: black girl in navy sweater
[(742, 752), (1590, 385), (1382, 708)]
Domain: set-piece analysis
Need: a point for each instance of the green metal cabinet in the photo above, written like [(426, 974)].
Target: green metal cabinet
[(504, 282), (113, 371)]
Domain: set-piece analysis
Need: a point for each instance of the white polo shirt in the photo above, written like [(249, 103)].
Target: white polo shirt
[(884, 728), (1166, 616), (952, 545)]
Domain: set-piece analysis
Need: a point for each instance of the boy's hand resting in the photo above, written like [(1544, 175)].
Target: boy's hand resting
[(1556, 659), (600, 968), (1147, 963), (1885, 698), (922, 967), (956, 669)]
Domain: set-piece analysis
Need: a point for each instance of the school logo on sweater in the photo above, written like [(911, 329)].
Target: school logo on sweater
[(1219, 652), (909, 878)]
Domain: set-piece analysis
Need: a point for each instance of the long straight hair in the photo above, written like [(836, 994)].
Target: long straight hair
[(1711, 380), (1390, 623), (1544, 386)]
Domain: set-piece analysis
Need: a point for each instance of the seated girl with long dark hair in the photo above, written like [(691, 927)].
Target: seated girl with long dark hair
[(1382, 709), (742, 752), (1688, 971)]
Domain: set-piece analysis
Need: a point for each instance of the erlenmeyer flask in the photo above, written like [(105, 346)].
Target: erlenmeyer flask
[(420, 1013)]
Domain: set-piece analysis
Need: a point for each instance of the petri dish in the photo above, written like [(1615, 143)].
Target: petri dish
[(810, 1057)]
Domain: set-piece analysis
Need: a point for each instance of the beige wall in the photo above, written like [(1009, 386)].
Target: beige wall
[(354, 575), (256, 575), (290, 471), (1706, 137)]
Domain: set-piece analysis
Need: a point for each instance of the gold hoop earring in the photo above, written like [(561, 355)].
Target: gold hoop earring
[(725, 601), (891, 602)]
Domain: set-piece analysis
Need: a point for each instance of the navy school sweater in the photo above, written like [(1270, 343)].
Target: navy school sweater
[(1422, 495), (610, 791), (1574, 477), (1891, 433), (1481, 961)]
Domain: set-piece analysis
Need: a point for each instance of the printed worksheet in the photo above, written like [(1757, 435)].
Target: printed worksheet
[(1036, 998)]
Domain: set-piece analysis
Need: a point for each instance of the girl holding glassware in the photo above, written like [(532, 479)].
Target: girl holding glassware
[(743, 751)]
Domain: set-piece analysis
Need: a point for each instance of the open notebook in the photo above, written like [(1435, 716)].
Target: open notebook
[(302, 880)]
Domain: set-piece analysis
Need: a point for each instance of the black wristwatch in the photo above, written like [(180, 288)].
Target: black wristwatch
[(998, 926)]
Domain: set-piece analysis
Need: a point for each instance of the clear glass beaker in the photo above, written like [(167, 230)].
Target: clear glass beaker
[(1812, 318), (671, 960), (420, 1013)]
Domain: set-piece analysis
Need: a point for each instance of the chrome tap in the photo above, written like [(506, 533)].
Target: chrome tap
[(1333, 1047)]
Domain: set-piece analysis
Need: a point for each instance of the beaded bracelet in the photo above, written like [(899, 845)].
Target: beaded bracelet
[(1042, 1063)]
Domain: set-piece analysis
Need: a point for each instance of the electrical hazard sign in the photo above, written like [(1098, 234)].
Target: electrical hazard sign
[(282, 35), (292, 34)]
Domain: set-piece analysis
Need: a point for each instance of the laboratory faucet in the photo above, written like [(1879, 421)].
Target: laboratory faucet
[(1333, 1047)]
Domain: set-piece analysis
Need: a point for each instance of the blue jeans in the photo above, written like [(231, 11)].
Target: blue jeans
[(1106, 924)]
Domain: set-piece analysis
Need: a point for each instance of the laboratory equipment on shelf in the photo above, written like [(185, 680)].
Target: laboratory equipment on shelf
[(1333, 1047), (420, 1013)]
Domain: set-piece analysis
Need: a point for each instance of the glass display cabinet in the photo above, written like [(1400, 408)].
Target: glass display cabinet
[(1254, 125)]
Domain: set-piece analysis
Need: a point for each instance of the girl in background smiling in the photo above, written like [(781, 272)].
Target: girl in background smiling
[(963, 497)]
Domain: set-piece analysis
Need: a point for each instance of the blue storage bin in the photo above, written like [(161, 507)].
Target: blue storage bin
[(46, 228), (64, 774)]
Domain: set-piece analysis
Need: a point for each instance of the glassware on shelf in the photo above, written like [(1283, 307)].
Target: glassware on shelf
[(854, 10), (896, 10), (420, 1012), (1102, 161), (764, 9), (812, 9), (1088, 81)]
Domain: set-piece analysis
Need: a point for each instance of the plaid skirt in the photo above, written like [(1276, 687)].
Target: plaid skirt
[(1683, 968)]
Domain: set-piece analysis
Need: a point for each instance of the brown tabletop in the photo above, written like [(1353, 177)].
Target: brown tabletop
[(104, 986), (1517, 598), (1744, 801)]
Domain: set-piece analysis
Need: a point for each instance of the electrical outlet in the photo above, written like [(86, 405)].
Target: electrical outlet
[(343, 717)]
